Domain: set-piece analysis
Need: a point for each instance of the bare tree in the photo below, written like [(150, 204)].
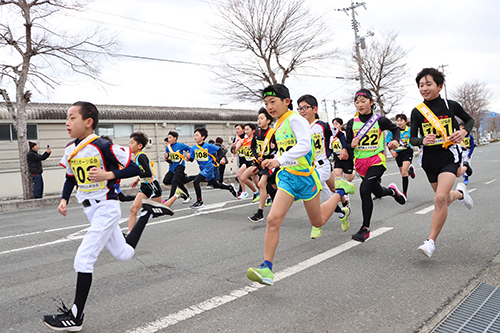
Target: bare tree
[(36, 49), (384, 68), (493, 124), (267, 41), (474, 98)]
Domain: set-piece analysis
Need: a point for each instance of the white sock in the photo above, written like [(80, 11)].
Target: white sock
[(74, 310)]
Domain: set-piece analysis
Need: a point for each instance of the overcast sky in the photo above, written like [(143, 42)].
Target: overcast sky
[(463, 35)]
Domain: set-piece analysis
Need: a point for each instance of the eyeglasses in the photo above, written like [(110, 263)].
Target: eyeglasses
[(304, 108)]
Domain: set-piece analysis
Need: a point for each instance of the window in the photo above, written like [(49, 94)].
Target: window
[(115, 130), (187, 129), (8, 132), (123, 130)]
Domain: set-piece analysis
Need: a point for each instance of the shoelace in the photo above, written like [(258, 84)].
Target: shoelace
[(65, 311)]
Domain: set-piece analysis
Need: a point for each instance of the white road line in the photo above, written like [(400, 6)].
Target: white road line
[(425, 210), (80, 234), (217, 301), (431, 208), (491, 181)]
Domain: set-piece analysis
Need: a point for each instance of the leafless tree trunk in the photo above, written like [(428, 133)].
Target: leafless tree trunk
[(27, 33), (474, 98), (267, 41), (384, 67)]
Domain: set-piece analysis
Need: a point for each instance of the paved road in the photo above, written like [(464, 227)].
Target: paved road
[(188, 274)]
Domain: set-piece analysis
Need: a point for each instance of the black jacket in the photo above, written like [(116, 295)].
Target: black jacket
[(35, 161)]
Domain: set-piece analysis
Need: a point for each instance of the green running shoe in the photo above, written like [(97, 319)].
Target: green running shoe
[(269, 201), (256, 197), (346, 185), (316, 232), (344, 222), (262, 275)]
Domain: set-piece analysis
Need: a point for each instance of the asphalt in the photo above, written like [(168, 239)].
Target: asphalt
[(490, 274)]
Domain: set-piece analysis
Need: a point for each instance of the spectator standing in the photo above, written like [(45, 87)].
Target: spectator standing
[(35, 168)]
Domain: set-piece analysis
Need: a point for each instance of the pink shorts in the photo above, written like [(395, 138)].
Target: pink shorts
[(363, 164)]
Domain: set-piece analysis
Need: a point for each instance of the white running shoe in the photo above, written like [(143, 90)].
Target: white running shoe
[(243, 195), (466, 200), (427, 249)]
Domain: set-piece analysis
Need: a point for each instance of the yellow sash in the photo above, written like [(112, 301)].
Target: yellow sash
[(434, 121), (216, 164), (175, 152), (267, 139), (82, 145)]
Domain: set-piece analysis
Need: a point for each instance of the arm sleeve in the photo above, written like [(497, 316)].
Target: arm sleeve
[(302, 131), (68, 187), (131, 170), (386, 124), (342, 139), (472, 145), (415, 125), (253, 147), (146, 166)]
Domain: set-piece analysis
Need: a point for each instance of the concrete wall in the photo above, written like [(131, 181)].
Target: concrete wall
[(54, 133)]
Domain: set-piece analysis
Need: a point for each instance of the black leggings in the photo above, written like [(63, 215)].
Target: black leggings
[(200, 178), (369, 185), (176, 179)]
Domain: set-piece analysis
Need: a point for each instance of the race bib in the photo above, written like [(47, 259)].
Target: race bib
[(427, 128), (248, 154), (201, 155), (174, 157), (318, 144), (81, 167), (336, 146), (285, 145), (370, 140), (467, 142)]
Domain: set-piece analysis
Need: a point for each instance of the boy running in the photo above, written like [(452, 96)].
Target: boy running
[(404, 152), (468, 145), (322, 135), (244, 146), (343, 166), (205, 154), (263, 147), (174, 155), (365, 135), (433, 126), (92, 164), (150, 187), (297, 178)]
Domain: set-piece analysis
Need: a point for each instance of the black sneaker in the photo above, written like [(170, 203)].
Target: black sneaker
[(64, 321), (398, 196), (411, 171), (197, 204), (156, 208), (469, 169), (233, 190), (256, 218), (362, 235)]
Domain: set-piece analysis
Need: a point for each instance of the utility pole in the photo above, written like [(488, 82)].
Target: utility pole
[(359, 40), (334, 104), (442, 71)]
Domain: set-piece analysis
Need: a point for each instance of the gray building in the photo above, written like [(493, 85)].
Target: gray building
[(46, 125)]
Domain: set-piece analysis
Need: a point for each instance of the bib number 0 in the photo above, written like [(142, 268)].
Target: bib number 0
[(81, 168)]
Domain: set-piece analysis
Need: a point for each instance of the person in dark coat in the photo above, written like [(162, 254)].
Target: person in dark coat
[(35, 168)]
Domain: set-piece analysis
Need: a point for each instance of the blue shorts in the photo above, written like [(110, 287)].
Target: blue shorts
[(299, 187), (208, 173)]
